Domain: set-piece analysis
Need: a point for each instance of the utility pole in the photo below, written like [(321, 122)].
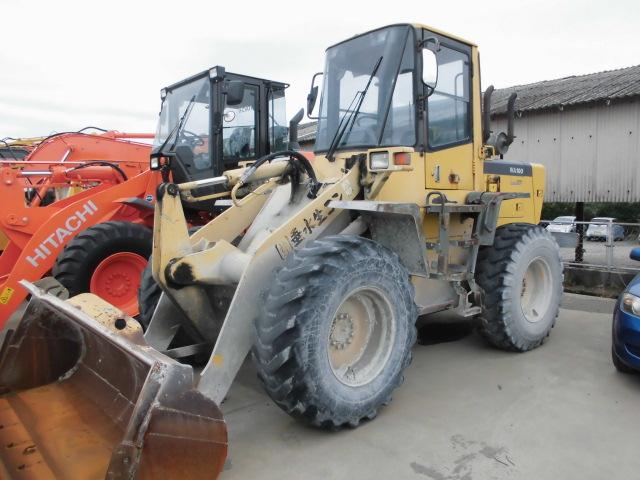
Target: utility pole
[(579, 213)]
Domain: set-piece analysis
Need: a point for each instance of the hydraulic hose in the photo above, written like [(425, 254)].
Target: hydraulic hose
[(292, 154)]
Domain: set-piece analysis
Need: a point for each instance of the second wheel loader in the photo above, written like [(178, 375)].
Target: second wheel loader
[(320, 268), (99, 239)]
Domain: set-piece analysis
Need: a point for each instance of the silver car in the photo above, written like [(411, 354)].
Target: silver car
[(565, 225), (597, 230)]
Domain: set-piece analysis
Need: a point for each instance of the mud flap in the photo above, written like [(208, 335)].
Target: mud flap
[(84, 397)]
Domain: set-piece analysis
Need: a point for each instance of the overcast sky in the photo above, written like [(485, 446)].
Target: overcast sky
[(67, 64)]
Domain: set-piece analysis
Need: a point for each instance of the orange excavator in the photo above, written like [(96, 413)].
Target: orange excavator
[(92, 193)]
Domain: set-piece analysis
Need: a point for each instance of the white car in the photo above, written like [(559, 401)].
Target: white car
[(565, 225), (598, 229)]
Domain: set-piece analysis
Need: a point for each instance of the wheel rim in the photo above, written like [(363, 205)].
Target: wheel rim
[(117, 279), (535, 295), (361, 336)]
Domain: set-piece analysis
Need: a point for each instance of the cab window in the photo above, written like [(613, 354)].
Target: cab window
[(278, 131), (195, 134), (448, 106), (239, 127)]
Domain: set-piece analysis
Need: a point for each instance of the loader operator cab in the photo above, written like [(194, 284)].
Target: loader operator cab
[(386, 114), (214, 120), (400, 85)]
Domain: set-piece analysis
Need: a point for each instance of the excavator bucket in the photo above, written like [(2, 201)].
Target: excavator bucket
[(84, 397)]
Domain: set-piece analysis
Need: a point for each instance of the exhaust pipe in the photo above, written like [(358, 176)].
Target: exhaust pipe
[(501, 141), (486, 114), (293, 130)]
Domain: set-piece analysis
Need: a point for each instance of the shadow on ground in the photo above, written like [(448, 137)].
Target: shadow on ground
[(431, 333)]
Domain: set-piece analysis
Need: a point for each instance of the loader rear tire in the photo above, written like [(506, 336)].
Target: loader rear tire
[(336, 331), (521, 278), (115, 251)]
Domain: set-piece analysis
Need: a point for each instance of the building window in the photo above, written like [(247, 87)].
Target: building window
[(448, 106)]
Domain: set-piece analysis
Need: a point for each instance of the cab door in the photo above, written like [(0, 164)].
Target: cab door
[(449, 150), (240, 133)]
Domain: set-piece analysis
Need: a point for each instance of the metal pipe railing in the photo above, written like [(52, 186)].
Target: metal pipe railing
[(613, 232)]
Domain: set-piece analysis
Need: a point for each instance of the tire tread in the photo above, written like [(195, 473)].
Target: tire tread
[(494, 273), (281, 366)]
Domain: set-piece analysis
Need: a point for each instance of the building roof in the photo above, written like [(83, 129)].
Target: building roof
[(561, 92), (307, 132), (577, 89)]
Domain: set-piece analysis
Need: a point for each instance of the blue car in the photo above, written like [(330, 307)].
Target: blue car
[(625, 351)]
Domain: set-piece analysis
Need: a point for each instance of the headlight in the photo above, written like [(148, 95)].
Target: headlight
[(379, 160), (630, 303)]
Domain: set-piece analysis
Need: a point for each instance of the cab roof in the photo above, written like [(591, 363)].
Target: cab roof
[(205, 73), (414, 25), (443, 33)]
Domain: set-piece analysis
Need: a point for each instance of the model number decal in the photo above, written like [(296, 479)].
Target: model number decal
[(504, 167)]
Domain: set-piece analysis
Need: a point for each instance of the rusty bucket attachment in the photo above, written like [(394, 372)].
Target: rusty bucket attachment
[(84, 397)]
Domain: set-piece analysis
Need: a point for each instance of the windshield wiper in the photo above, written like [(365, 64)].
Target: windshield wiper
[(159, 152), (337, 138)]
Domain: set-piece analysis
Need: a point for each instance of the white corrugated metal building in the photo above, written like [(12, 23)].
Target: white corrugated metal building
[(585, 129)]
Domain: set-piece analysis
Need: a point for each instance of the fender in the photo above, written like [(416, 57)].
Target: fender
[(397, 226)]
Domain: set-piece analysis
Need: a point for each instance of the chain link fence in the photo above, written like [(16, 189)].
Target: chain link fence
[(601, 243)]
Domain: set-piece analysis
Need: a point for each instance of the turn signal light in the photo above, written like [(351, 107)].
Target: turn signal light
[(402, 158)]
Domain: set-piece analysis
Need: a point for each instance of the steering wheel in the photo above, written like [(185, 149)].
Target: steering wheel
[(201, 161), (192, 138)]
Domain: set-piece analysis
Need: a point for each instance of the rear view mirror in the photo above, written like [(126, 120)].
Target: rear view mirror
[(312, 96), (311, 99), (429, 68), (235, 92)]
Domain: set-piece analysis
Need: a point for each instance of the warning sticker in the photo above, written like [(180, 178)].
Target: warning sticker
[(6, 295)]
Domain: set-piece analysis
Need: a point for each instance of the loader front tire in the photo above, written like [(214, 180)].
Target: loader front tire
[(106, 259), (148, 296), (336, 331), (150, 291), (521, 278)]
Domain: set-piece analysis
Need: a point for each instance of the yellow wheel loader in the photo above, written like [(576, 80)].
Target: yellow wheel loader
[(320, 268)]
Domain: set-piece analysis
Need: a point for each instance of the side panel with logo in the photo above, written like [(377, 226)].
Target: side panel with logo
[(505, 176)]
